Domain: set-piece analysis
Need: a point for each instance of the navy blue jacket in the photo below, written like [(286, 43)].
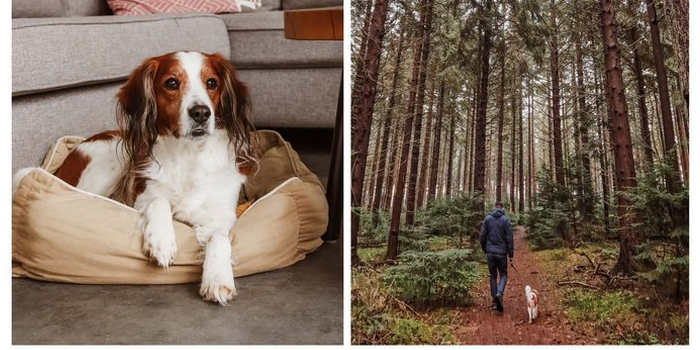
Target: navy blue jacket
[(496, 235)]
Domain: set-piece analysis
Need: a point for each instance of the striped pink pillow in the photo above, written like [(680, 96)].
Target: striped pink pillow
[(144, 7)]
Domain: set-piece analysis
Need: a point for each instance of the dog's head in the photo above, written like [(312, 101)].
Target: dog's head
[(185, 95)]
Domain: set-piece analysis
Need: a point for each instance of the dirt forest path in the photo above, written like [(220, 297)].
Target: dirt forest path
[(481, 325)]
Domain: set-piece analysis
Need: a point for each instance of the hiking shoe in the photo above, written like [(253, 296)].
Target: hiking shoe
[(499, 303), (494, 306)]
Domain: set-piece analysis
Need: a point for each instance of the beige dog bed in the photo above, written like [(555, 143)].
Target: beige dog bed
[(60, 233)]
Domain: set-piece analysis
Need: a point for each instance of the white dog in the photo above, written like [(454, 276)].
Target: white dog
[(531, 298)]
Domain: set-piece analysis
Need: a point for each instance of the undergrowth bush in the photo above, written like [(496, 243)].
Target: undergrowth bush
[(458, 217), (605, 309), (662, 227), (371, 254), (409, 331), (380, 318), (434, 278), (412, 244), (548, 221), (620, 315), (369, 234)]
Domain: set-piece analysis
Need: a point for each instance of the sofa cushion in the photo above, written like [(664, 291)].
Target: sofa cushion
[(257, 41), (58, 8), (38, 119), (305, 4), (297, 98), (45, 56)]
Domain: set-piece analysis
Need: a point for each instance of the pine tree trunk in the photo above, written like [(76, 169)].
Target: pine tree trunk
[(480, 136), (521, 192), (458, 182), (501, 102), (441, 167), (427, 151), (512, 147), (550, 137), (584, 125), (361, 54), (603, 157), (401, 183), (672, 178), (450, 156), (368, 199), (532, 167), (682, 144), (432, 183), (641, 103), (679, 25), (565, 150), (489, 161), (361, 123), (379, 188), (392, 169), (620, 136), (363, 41), (472, 135), (420, 99), (556, 110), (467, 143)]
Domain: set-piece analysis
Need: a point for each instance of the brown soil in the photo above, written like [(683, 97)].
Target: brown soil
[(481, 325)]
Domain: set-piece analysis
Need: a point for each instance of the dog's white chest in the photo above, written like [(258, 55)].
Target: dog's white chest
[(195, 174)]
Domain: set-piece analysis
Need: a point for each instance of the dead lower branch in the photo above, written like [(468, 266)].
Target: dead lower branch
[(577, 283)]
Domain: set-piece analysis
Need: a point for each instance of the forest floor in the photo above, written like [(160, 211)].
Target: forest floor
[(567, 315), (481, 325)]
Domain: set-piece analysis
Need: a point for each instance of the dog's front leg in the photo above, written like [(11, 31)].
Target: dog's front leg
[(157, 227), (217, 271), (212, 222)]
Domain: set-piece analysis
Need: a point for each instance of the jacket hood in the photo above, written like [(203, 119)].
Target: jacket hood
[(497, 213)]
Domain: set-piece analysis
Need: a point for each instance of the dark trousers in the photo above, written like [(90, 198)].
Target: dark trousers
[(498, 271)]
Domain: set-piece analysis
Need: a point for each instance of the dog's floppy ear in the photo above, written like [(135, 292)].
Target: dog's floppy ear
[(137, 112), (234, 109)]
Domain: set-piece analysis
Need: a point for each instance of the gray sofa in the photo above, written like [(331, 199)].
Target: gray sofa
[(68, 59), (70, 56)]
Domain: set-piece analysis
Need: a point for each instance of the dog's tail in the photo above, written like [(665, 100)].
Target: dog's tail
[(527, 289)]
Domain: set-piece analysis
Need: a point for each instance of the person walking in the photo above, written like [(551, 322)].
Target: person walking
[(496, 240)]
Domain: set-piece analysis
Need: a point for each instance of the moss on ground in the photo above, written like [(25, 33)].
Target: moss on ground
[(372, 255), (622, 315)]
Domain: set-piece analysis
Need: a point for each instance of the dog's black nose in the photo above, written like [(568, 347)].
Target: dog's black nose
[(199, 113)]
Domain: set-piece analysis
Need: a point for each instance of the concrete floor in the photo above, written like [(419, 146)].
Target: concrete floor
[(302, 304)]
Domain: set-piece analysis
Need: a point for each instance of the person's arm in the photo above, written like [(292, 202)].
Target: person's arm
[(482, 235), (509, 239)]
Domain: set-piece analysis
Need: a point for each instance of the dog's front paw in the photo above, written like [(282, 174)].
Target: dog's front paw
[(217, 285), (159, 242), (217, 272)]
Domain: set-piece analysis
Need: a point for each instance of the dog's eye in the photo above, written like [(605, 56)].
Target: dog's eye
[(172, 84), (211, 83)]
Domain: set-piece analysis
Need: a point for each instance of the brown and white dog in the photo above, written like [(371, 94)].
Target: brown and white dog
[(531, 298), (183, 123)]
